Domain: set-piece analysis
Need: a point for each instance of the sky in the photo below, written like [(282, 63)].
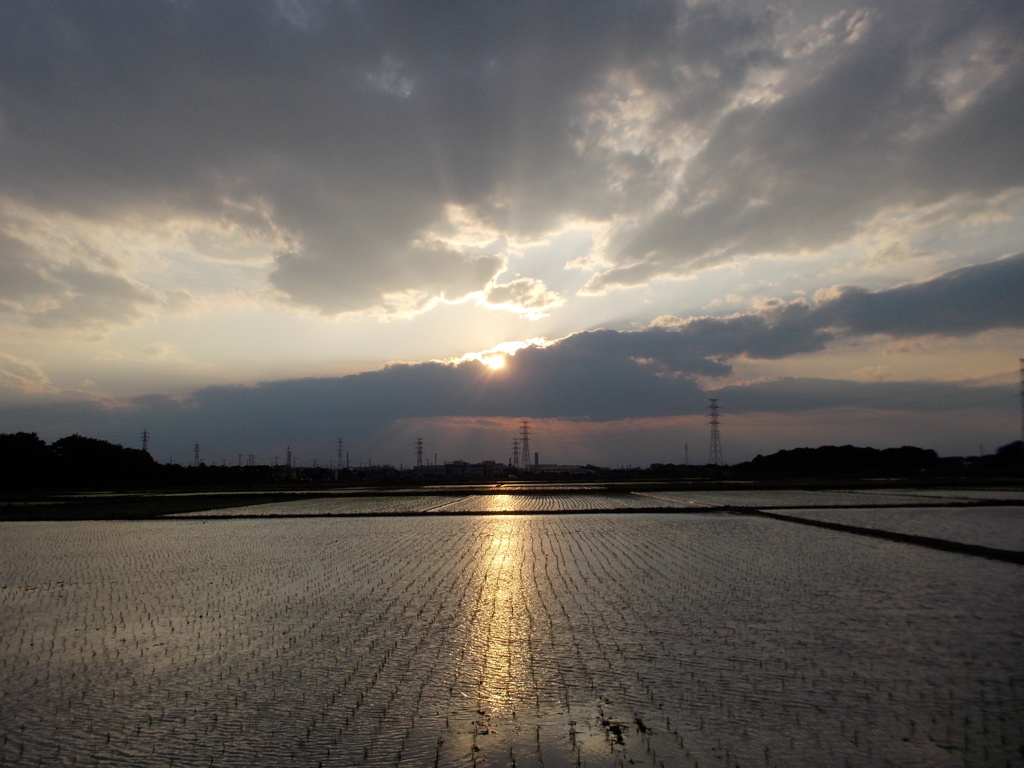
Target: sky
[(264, 226)]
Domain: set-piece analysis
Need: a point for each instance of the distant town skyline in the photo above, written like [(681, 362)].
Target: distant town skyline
[(257, 224)]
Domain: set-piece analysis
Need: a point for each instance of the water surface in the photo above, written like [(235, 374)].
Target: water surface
[(554, 640)]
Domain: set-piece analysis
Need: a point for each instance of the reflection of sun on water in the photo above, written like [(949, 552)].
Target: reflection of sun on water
[(503, 636)]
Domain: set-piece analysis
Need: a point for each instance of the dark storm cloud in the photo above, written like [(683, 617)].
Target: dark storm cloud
[(583, 376), (776, 332), (346, 128), (923, 103), (185, 105), (956, 304), (789, 395), (566, 381), (571, 380)]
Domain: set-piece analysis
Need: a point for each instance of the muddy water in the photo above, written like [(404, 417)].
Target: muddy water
[(641, 639)]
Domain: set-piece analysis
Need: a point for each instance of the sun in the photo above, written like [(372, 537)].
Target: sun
[(494, 362)]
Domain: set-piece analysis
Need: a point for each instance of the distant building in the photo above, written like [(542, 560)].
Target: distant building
[(561, 469), (462, 469)]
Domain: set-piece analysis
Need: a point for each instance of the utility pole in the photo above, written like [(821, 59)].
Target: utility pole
[(715, 448)]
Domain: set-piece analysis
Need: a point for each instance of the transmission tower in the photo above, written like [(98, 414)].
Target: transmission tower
[(515, 452), (715, 449), (145, 436), (196, 451), (419, 451), (524, 443), (341, 445)]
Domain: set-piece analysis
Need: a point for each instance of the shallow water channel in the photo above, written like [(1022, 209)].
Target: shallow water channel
[(499, 640)]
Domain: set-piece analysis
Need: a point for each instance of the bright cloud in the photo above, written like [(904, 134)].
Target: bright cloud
[(525, 295)]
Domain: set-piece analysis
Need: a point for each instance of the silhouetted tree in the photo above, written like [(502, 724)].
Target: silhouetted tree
[(25, 460), (844, 460), (85, 462), (1010, 455)]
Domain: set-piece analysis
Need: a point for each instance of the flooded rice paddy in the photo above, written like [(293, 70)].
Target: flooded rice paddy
[(997, 527), (643, 638)]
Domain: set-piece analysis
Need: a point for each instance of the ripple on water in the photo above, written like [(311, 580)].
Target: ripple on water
[(611, 639)]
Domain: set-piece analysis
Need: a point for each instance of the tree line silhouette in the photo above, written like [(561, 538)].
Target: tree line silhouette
[(75, 462), (27, 461)]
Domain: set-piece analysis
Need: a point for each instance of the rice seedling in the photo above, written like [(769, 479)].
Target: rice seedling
[(554, 640)]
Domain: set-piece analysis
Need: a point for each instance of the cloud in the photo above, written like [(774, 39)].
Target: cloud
[(344, 129), (858, 124), (22, 283), (959, 303), (581, 407), (92, 298), (66, 290), (955, 304), (524, 295), (776, 332), (24, 376), (592, 377), (430, 272), (608, 374), (787, 395), (385, 158), (341, 133)]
